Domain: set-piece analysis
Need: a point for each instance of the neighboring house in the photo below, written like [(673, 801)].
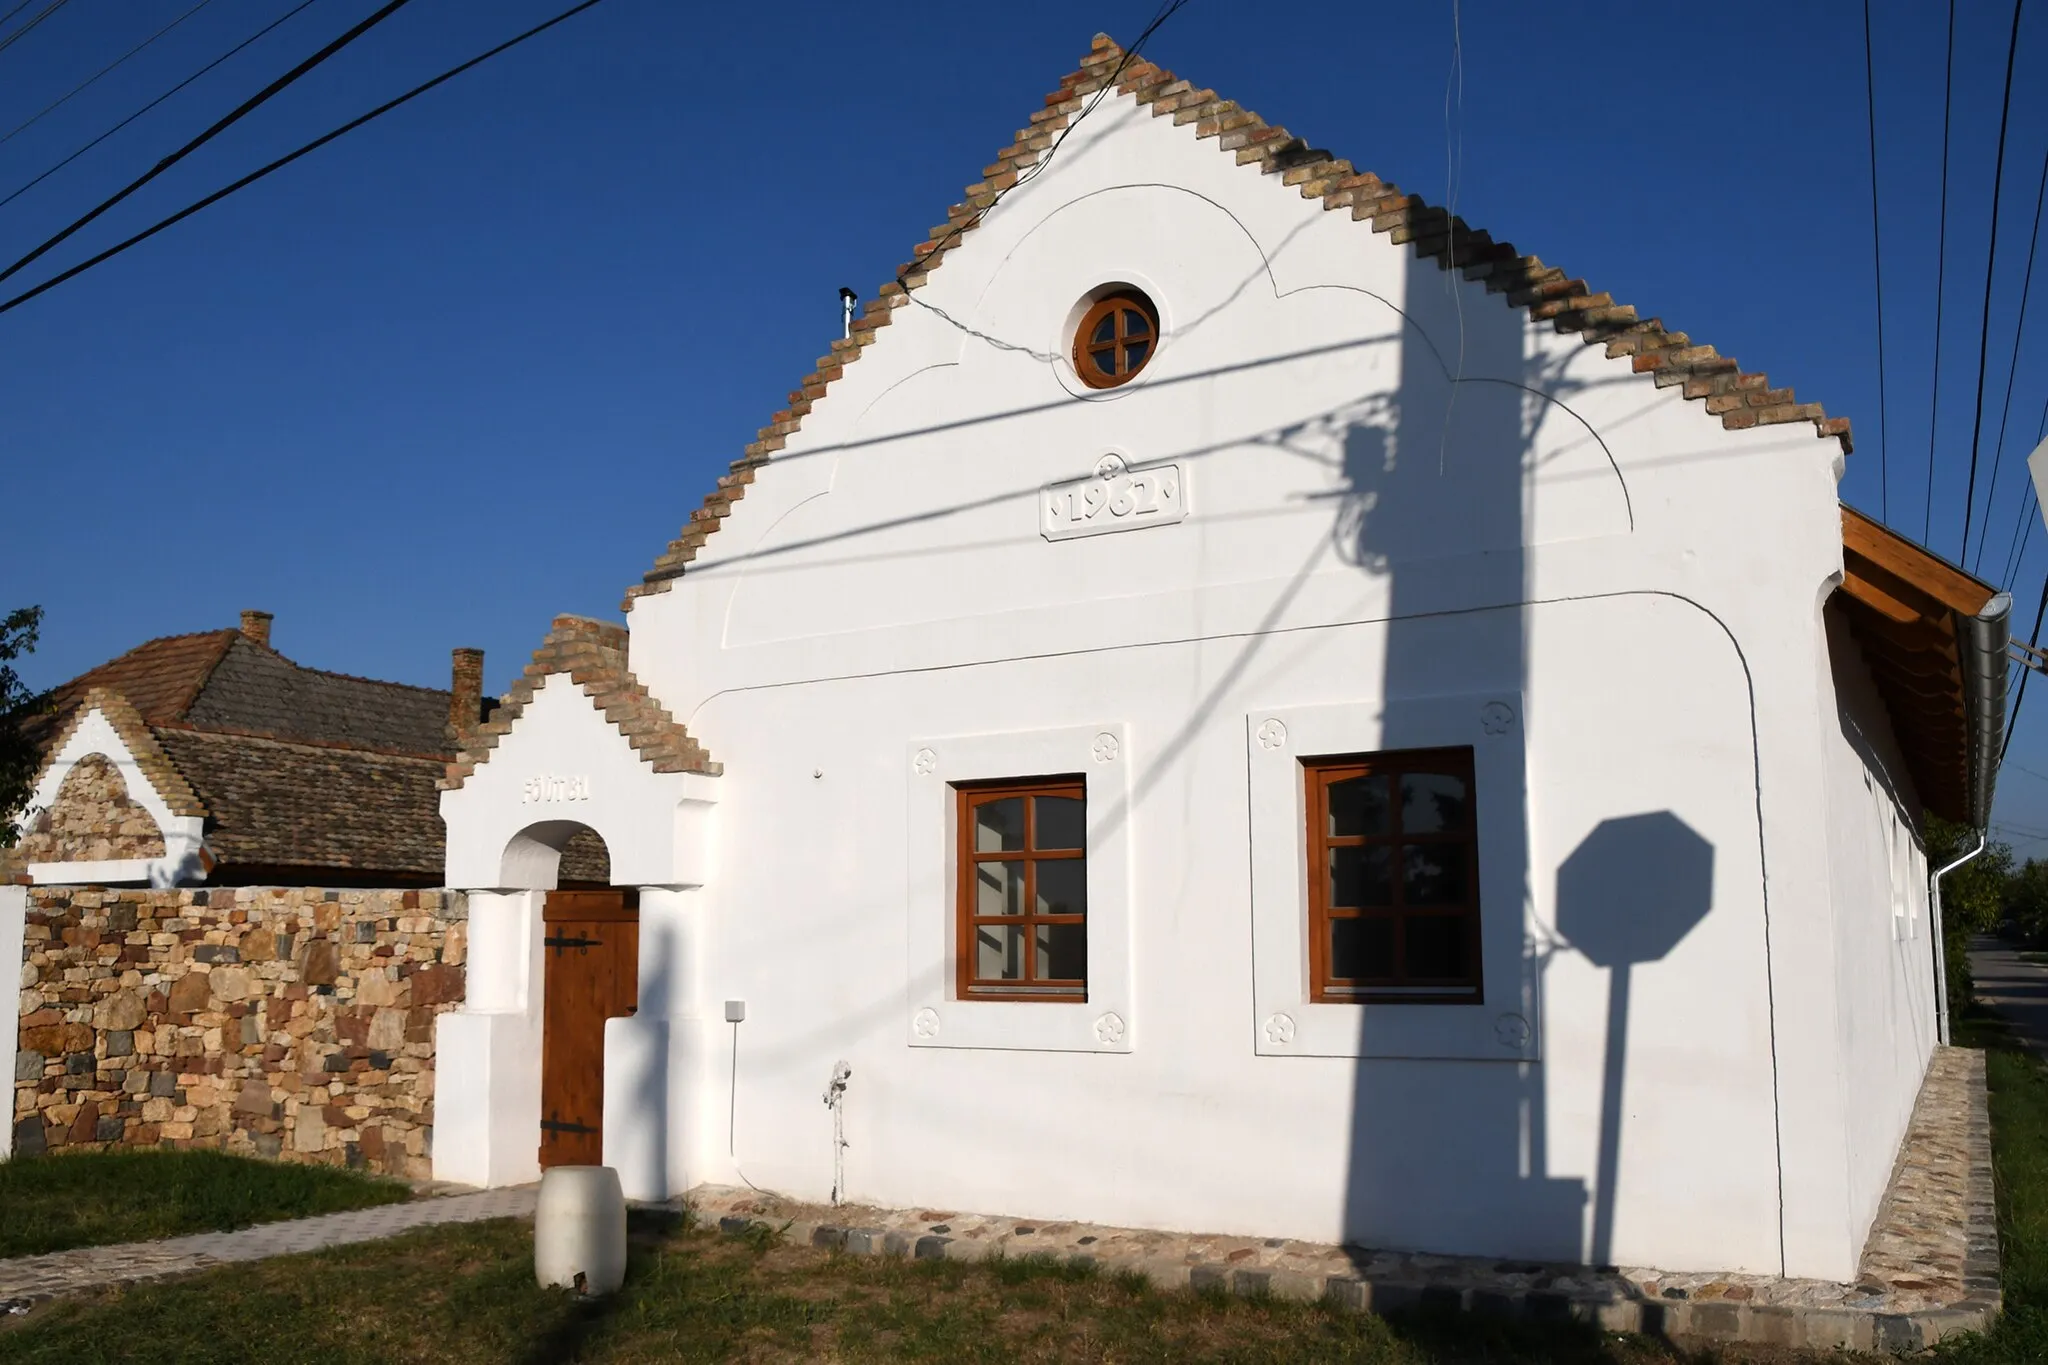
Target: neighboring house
[(1231, 701), (213, 758)]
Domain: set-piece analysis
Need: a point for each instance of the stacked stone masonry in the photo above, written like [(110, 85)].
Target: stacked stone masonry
[(92, 818), (294, 1023), (1740, 399)]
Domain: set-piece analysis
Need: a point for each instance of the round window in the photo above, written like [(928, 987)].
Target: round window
[(1117, 336)]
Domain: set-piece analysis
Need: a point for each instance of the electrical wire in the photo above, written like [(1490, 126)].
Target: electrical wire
[(1990, 264), (289, 157), (1940, 269), (1884, 464), (2033, 642), (20, 5), (87, 82), (34, 19), (23, 189), (2012, 372), (219, 126), (2031, 502)]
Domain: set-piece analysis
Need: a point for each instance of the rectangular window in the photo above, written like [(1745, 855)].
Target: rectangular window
[(1393, 884), (1023, 892)]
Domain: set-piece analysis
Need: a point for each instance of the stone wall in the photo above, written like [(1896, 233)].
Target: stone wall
[(92, 818), (295, 1023)]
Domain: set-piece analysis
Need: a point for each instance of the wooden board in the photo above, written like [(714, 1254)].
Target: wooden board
[(592, 953)]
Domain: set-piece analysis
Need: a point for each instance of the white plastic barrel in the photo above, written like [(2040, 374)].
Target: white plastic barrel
[(579, 1229)]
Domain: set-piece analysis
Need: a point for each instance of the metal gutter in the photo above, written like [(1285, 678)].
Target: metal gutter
[(1981, 642)]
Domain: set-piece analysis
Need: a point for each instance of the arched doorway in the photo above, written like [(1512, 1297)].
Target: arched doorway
[(590, 952)]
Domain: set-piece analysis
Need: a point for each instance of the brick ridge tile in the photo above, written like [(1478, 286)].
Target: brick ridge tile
[(1433, 232)]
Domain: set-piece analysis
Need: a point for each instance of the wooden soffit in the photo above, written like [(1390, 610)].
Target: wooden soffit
[(1902, 602)]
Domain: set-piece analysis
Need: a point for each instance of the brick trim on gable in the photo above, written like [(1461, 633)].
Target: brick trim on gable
[(593, 655), (1741, 399), (163, 775)]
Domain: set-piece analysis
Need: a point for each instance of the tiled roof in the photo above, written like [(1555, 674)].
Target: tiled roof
[(593, 655), (280, 804), (293, 767), (1739, 398), (257, 690), (159, 677)]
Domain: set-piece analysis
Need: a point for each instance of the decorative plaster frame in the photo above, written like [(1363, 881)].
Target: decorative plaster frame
[(934, 1015), (1286, 1023)]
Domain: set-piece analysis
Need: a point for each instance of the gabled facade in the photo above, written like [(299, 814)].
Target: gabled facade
[(213, 758), (1242, 704)]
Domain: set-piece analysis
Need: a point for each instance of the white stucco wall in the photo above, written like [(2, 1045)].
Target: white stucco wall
[(1399, 493), (1884, 953), (13, 920)]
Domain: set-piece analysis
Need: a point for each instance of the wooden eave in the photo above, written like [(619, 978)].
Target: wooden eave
[(1903, 603)]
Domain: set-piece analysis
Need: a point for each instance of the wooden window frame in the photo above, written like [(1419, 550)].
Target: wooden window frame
[(1085, 351), (967, 796), (1317, 776)]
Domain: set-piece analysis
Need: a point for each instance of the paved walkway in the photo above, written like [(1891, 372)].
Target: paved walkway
[(1930, 1271), (2016, 988), (27, 1280)]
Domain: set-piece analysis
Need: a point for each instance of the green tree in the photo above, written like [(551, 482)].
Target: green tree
[(1972, 897), (20, 752), (2026, 899)]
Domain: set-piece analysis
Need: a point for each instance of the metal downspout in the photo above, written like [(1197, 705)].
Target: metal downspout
[(1981, 642), (1941, 944)]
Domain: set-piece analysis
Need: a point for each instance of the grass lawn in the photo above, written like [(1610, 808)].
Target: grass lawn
[(2019, 1143), (466, 1293), (54, 1203)]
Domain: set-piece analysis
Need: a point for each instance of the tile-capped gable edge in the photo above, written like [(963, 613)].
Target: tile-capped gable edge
[(593, 655), (134, 732)]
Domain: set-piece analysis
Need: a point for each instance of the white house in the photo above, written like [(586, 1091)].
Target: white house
[(1254, 708)]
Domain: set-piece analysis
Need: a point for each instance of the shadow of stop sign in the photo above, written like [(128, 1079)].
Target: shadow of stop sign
[(1629, 893)]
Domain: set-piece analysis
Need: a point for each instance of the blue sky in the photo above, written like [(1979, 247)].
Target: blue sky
[(474, 364)]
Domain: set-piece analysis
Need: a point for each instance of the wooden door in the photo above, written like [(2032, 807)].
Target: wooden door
[(592, 949)]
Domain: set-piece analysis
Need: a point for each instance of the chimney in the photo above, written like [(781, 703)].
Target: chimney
[(256, 625), (466, 694)]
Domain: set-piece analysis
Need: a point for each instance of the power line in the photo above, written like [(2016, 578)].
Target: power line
[(1940, 269), (1990, 261), (18, 8), (2019, 332), (2033, 641), (24, 189), (1884, 466), (2018, 546), (220, 125), (2031, 502), (34, 19), (82, 85), (286, 160)]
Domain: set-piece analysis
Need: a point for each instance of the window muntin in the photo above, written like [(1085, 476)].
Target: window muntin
[(1023, 891), (1117, 338), (1393, 879)]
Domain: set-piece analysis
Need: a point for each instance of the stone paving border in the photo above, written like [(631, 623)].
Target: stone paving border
[(29, 1280), (1937, 1275)]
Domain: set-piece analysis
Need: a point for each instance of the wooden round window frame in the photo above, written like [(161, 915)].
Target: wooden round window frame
[(1117, 303)]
